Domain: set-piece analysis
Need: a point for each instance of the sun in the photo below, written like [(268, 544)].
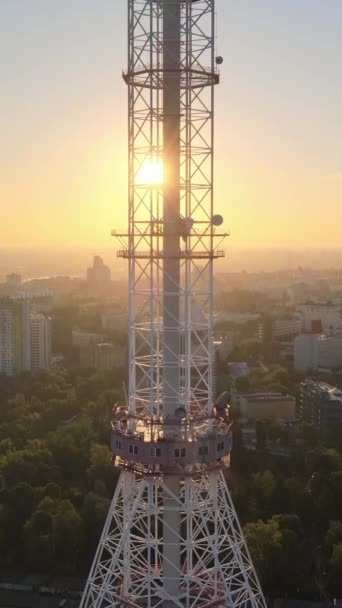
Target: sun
[(150, 173)]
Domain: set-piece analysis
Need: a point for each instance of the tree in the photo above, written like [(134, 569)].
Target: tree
[(333, 535), (335, 563), (21, 501), (260, 435), (334, 438), (293, 562), (336, 481), (34, 465), (38, 540), (53, 490), (263, 487), (56, 530), (58, 449), (242, 384), (301, 501), (333, 542), (323, 461), (101, 468), (68, 535), (94, 512), (308, 433), (265, 544), (70, 448)]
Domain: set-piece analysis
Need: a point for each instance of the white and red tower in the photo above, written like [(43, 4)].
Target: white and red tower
[(172, 537)]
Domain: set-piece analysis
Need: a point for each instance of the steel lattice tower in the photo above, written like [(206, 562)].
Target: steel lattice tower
[(172, 537)]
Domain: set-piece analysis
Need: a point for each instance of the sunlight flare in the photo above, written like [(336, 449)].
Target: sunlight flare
[(150, 173)]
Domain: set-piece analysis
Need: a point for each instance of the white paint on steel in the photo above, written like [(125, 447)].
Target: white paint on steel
[(172, 537), (217, 568)]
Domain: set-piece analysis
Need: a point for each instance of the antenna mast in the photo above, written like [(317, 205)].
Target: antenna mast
[(172, 537)]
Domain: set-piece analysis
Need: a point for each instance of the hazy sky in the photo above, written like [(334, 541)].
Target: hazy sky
[(63, 121)]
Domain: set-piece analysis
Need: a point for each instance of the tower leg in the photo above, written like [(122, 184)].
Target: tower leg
[(215, 568)]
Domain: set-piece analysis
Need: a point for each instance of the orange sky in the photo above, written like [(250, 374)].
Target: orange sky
[(63, 152)]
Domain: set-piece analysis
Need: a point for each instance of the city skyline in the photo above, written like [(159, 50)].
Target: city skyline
[(171, 400), (63, 123)]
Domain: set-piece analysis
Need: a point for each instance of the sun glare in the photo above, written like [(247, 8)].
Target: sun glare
[(150, 173)]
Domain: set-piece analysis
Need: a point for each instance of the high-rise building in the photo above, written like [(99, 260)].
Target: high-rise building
[(83, 338), (85, 342), (40, 342), (286, 328), (99, 275), (314, 351), (322, 315), (15, 336), (109, 356), (321, 405)]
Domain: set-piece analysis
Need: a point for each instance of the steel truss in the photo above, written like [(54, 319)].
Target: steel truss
[(145, 244), (172, 537), (216, 566)]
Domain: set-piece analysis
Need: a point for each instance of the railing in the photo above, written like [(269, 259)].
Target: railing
[(184, 254), (155, 429)]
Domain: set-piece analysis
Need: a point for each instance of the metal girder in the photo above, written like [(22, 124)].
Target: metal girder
[(215, 567), (172, 537)]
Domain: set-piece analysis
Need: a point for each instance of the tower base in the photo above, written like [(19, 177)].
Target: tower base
[(215, 566)]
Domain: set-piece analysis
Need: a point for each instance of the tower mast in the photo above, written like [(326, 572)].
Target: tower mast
[(172, 537), (171, 276)]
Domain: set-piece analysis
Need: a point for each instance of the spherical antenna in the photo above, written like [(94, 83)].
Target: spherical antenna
[(217, 220)]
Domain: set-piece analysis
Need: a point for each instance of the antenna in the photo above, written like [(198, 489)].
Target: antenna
[(172, 537)]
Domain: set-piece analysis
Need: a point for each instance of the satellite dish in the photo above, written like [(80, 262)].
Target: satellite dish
[(217, 220), (219, 60)]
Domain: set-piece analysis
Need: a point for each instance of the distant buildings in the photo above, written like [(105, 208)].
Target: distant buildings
[(320, 317), (13, 280), (83, 338), (314, 351), (108, 356), (314, 331), (271, 330), (86, 341), (321, 405), (15, 337), (261, 406), (40, 342), (34, 294), (286, 328), (236, 317), (298, 292), (25, 338), (94, 352), (113, 320), (99, 275)]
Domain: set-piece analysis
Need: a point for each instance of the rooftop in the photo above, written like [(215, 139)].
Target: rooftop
[(334, 393), (266, 396)]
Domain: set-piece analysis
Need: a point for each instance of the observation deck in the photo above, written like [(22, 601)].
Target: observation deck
[(172, 446)]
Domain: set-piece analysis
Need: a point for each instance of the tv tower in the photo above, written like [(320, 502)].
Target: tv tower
[(172, 537)]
